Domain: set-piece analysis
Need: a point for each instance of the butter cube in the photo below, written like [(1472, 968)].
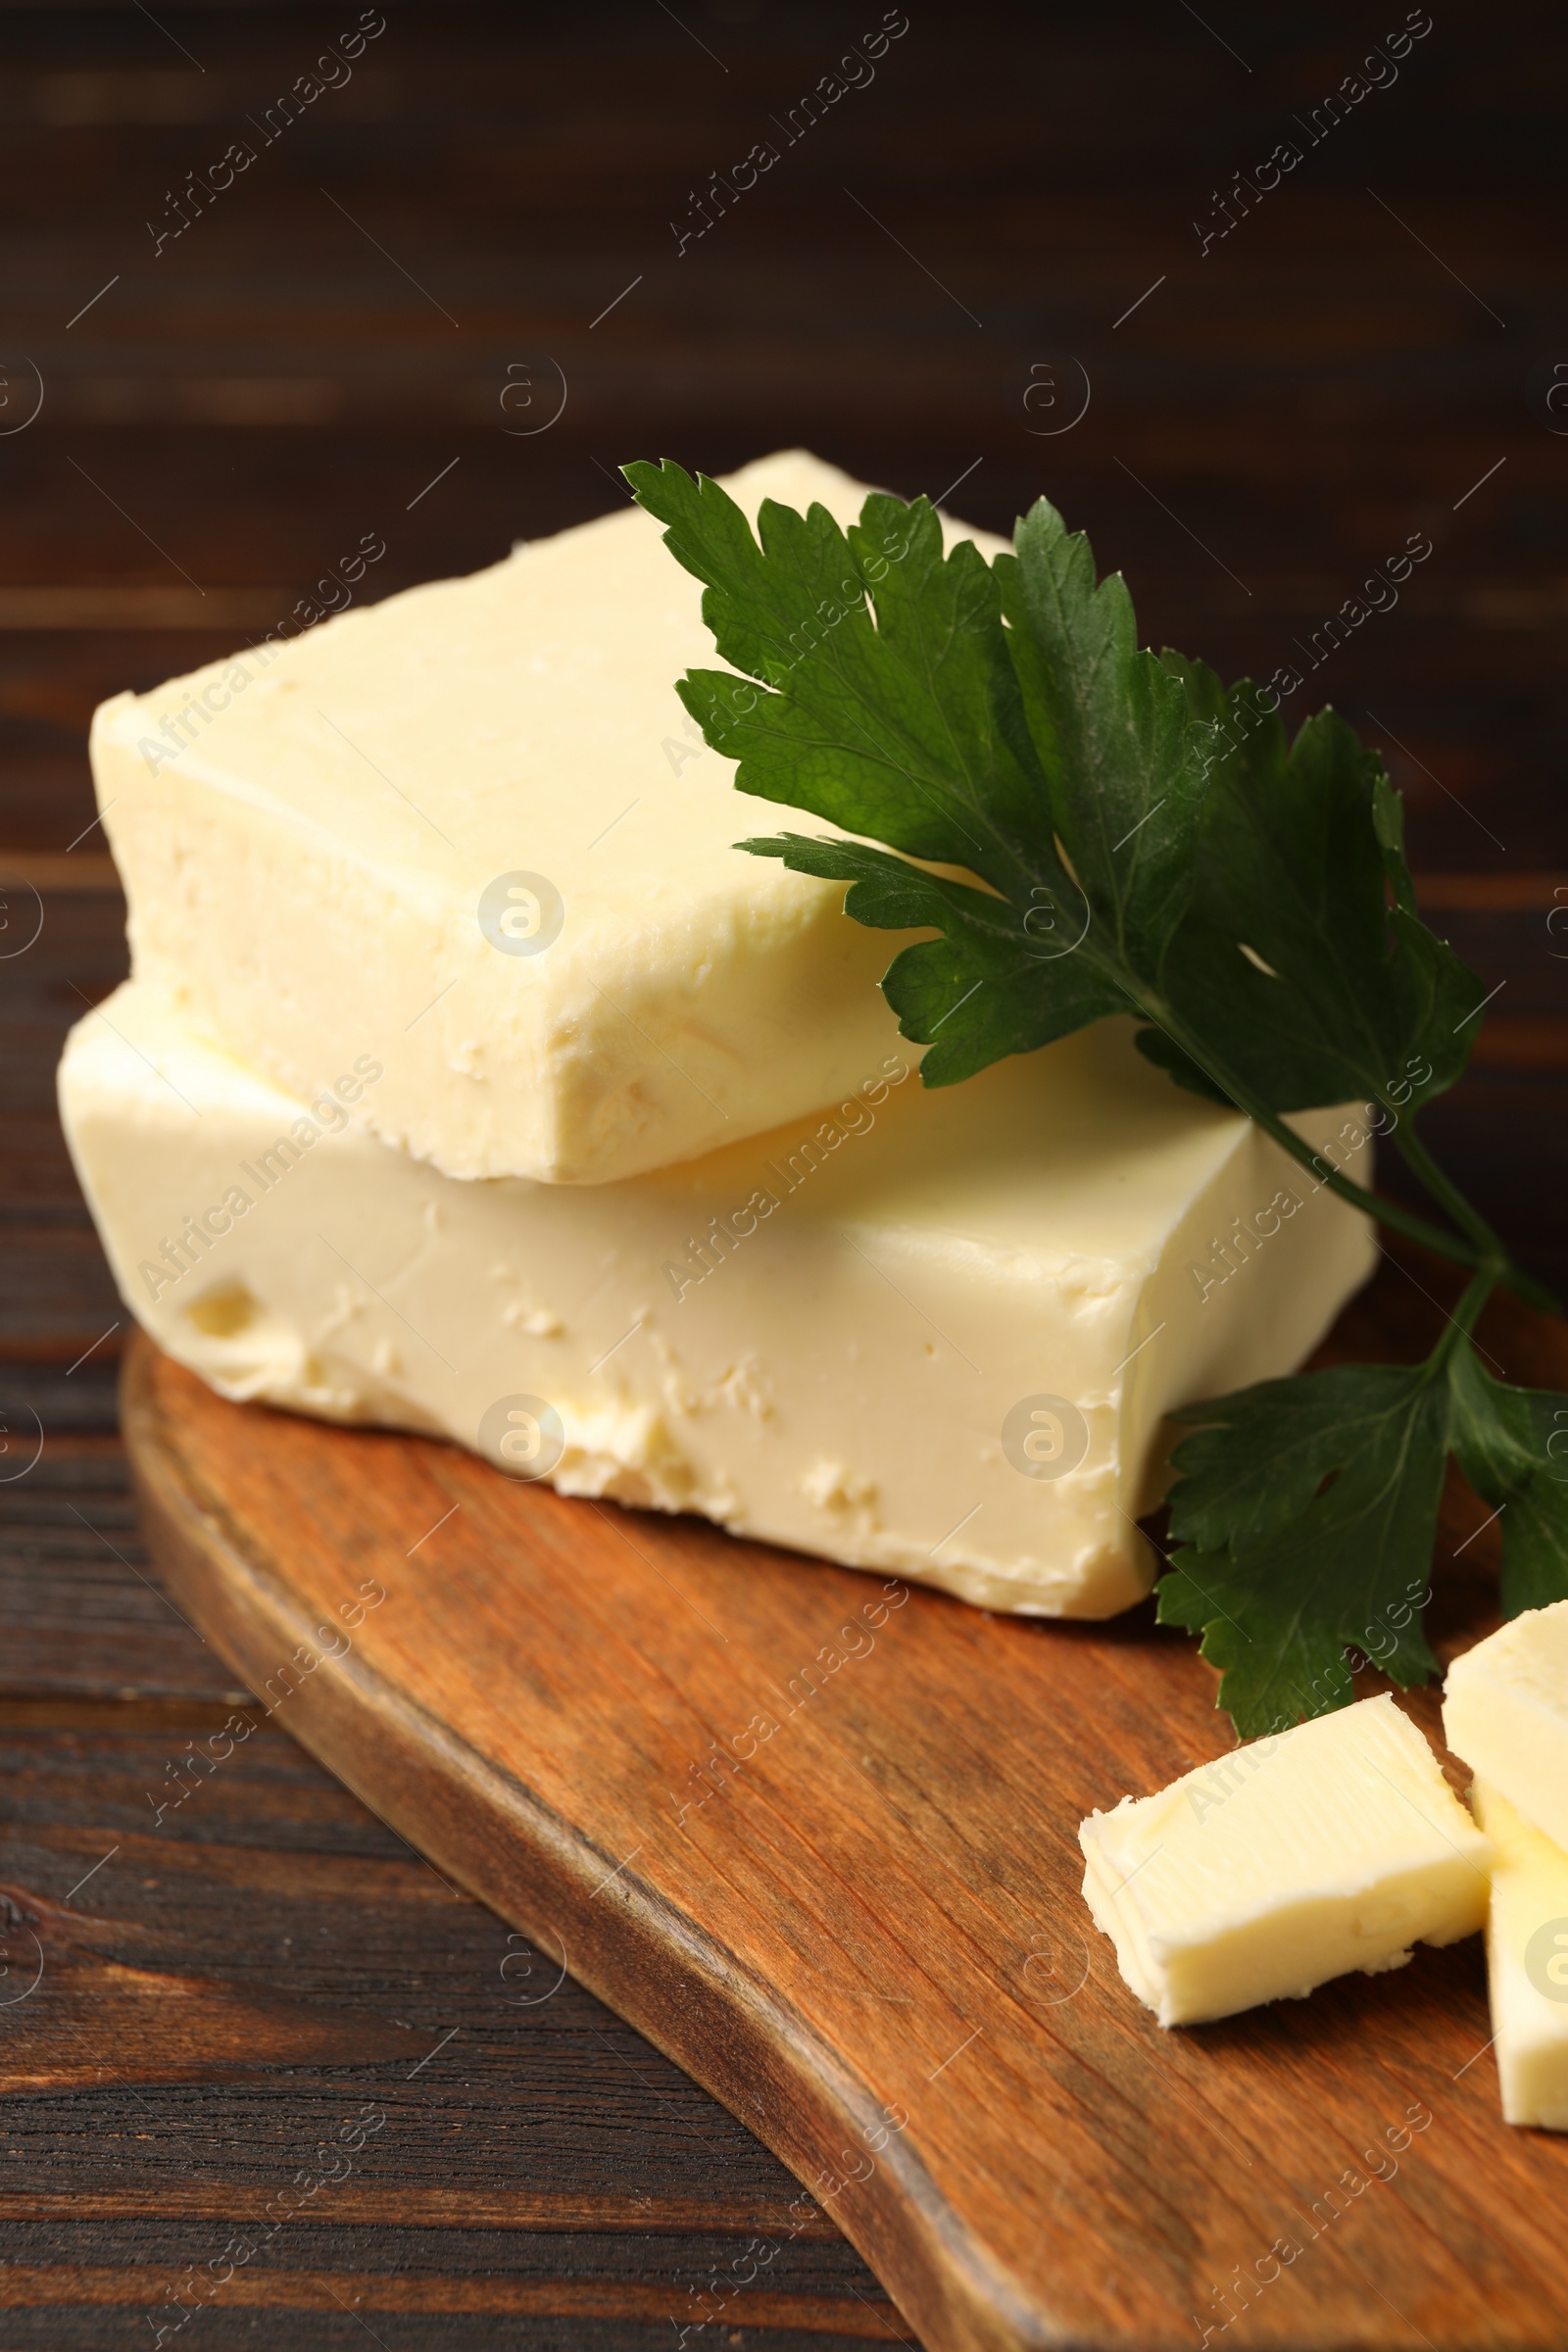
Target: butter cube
[(471, 832), (1333, 1846), (935, 1333), (1527, 1964), (1506, 1711)]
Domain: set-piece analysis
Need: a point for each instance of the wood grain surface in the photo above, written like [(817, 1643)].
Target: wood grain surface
[(813, 1833), (219, 420)]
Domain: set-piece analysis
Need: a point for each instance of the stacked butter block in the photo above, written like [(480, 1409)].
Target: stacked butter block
[(470, 1081)]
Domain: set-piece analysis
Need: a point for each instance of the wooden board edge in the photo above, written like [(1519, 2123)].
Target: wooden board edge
[(639, 1953)]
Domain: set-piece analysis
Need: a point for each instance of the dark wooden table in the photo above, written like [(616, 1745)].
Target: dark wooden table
[(359, 334)]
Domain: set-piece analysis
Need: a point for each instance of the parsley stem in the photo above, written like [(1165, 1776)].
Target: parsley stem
[(1371, 1205), (1419, 1161), (1481, 1249), (1467, 1314)]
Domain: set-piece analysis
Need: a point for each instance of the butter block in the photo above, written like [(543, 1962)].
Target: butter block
[(1334, 1846), (472, 831), (934, 1333), (1527, 1962), (1505, 1712)]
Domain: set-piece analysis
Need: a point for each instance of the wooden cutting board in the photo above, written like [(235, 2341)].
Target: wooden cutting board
[(813, 1833)]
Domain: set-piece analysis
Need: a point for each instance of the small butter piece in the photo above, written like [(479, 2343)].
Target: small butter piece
[(1506, 1711), (1333, 1846), (1527, 1962)]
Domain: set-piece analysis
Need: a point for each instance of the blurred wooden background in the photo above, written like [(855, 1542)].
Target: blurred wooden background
[(370, 329)]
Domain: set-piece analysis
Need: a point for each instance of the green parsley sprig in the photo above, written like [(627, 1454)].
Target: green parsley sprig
[(1145, 840)]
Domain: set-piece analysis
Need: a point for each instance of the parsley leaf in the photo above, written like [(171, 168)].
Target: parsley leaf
[(1306, 1508), (1307, 1513), (1512, 1445), (911, 730), (1142, 839), (982, 965), (1136, 825), (913, 723), (1125, 765), (1340, 991)]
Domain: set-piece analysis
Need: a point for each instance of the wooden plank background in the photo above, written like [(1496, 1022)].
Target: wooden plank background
[(362, 333)]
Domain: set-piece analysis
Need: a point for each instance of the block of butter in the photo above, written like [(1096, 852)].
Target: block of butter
[(1506, 1711), (1527, 1964), (931, 1332), (471, 832), (1333, 1846)]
